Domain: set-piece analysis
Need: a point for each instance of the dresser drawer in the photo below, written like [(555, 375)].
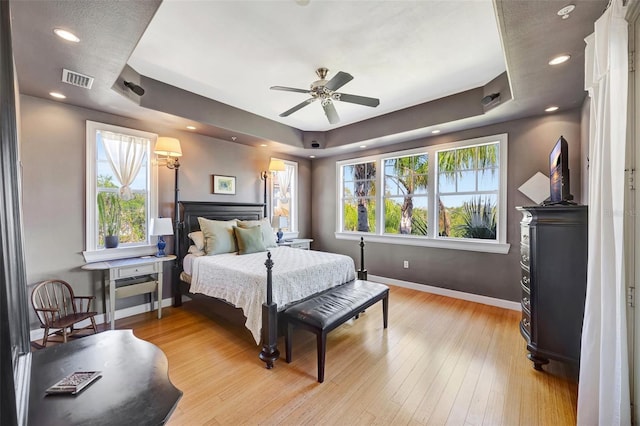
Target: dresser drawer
[(135, 270), (524, 235), (524, 256), (526, 303), (525, 324), (525, 280)]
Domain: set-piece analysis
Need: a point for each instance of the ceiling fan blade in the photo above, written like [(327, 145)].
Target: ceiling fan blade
[(331, 112), (360, 100), (338, 81), (288, 89), (297, 107)]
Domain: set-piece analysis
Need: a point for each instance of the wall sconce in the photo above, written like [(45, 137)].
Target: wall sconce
[(274, 166), (170, 149)]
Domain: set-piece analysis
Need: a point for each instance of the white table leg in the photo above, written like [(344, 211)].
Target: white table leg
[(159, 292), (112, 301)]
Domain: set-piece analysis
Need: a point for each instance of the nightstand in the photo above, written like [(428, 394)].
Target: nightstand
[(115, 273), (299, 243)]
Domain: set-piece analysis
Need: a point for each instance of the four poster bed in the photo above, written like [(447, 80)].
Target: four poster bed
[(251, 289)]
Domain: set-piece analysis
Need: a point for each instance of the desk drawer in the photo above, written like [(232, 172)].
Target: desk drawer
[(135, 270)]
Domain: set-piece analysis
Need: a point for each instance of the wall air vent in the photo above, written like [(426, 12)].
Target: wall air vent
[(76, 79)]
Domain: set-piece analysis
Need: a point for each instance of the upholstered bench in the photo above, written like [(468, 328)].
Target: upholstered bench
[(328, 310)]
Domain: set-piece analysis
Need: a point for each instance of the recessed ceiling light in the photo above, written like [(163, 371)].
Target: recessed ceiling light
[(363, 146), (57, 95), (435, 132), (263, 144), (69, 36), (191, 127), (312, 156), (559, 59), (551, 109), (565, 11)]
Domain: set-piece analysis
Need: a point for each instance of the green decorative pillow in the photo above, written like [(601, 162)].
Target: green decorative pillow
[(249, 240), (268, 235), (218, 235)]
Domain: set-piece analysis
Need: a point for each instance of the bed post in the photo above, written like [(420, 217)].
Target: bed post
[(362, 273), (269, 353)]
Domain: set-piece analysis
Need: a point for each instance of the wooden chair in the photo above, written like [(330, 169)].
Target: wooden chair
[(58, 309)]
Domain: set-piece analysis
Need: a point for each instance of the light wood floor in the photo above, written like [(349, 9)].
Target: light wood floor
[(441, 361)]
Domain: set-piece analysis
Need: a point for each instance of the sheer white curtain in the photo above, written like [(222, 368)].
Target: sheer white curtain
[(603, 392), (125, 154), (284, 179)]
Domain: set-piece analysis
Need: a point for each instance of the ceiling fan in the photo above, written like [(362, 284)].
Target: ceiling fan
[(325, 91)]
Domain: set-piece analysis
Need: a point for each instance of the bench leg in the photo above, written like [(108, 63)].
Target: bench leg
[(322, 350), (288, 341), (385, 310)]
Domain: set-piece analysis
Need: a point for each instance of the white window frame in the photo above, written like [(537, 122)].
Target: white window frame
[(294, 191), (499, 245), (92, 252)]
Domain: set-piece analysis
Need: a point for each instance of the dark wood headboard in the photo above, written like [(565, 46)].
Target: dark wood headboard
[(192, 210)]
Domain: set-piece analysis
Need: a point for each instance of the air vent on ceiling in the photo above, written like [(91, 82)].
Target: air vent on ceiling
[(76, 79)]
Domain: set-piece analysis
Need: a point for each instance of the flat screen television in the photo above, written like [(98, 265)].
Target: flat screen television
[(559, 173)]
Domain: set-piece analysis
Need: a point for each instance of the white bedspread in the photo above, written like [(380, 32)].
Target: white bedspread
[(242, 280)]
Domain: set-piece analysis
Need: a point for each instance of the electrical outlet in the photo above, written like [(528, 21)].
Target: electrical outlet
[(405, 264)]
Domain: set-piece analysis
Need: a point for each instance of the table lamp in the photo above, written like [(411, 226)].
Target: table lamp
[(279, 222), (160, 227)]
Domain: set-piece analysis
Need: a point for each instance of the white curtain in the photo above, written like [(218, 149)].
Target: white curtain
[(603, 390), (284, 180), (125, 155)]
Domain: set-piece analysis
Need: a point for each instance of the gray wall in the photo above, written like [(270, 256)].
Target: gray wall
[(53, 173), (494, 275)]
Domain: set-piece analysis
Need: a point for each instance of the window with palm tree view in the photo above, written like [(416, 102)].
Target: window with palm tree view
[(121, 187), (443, 192)]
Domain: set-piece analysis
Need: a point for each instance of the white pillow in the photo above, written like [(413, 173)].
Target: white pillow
[(198, 239), (268, 234), (194, 250), (218, 235)]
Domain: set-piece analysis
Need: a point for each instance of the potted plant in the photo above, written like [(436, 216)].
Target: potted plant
[(109, 210)]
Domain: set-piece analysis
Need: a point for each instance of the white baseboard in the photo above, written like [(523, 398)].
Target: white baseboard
[(37, 334), (485, 300)]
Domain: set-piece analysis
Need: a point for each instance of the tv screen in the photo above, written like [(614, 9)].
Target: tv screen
[(559, 173)]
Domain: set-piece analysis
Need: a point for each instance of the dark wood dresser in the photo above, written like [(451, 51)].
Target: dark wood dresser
[(553, 259)]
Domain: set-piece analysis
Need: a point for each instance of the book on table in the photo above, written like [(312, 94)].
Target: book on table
[(74, 382)]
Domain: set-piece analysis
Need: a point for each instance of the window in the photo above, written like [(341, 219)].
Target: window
[(121, 192), (284, 196), (451, 196)]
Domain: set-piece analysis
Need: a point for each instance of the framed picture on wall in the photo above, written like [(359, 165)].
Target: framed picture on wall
[(224, 185)]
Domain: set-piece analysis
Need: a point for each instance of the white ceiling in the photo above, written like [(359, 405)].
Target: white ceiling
[(231, 51), (404, 53)]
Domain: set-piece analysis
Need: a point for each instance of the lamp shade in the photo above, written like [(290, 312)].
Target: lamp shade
[(161, 226), (279, 222), (276, 165), (169, 147)]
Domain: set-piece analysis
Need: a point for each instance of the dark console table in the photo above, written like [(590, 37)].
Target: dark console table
[(553, 260), (134, 388)]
